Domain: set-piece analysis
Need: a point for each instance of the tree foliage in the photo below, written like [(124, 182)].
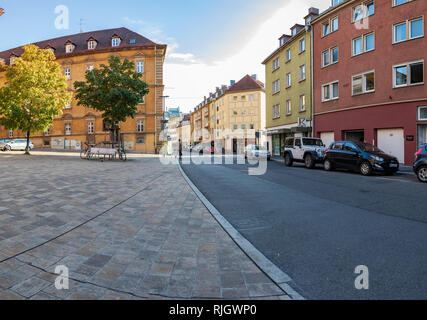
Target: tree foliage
[(115, 90), (35, 92)]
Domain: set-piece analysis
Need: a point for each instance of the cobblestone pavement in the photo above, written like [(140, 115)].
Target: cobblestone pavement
[(131, 230)]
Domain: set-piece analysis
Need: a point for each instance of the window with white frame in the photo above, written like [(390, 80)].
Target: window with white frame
[(302, 45), (288, 107), (251, 97), (364, 43), (276, 86), (140, 66), (69, 47), (288, 80), (67, 128), (302, 103), (89, 67), (10, 134), (90, 127), (302, 73), (363, 83), (363, 10), (115, 42), (330, 26), (399, 2), (276, 111), (68, 106), (67, 73), (276, 63), (422, 113), (408, 30), (330, 56), (91, 44), (140, 126), (142, 101), (11, 59), (330, 91), (408, 74), (288, 55)]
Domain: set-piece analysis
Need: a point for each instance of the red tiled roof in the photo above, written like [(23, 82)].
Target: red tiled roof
[(246, 83), (103, 37)]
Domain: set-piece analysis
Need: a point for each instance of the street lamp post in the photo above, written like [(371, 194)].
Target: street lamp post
[(155, 122)]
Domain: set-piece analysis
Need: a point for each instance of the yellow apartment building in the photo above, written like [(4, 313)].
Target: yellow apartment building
[(78, 125)]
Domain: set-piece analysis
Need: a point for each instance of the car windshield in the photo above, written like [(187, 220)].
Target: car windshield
[(313, 142), (368, 147)]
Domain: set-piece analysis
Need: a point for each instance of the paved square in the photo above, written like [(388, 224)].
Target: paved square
[(131, 230)]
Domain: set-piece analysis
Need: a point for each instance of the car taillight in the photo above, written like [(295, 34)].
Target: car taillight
[(326, 150), (419, 152)]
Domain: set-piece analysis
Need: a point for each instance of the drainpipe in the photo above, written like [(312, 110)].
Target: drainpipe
[(312, 79), (155, 99)]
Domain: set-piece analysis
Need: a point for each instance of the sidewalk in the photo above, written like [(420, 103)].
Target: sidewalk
[(131, 230)]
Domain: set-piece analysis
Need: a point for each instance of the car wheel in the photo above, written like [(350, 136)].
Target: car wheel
[(8, 148), (308, 160), (365, 168), (327, 165), (422, 174), (288, 160)]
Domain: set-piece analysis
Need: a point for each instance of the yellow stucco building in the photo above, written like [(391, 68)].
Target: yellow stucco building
[(85, 51), (289, 86), (239, 107)]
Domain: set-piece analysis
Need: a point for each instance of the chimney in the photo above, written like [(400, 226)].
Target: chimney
[(254, 76), (312, 14)]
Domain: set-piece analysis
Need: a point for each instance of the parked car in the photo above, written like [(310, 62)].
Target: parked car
[(420, 164), (18, 144), (306, 150), (3, 144), (253, 151), (359, 156)]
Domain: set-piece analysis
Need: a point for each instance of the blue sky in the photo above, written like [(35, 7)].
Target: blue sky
[(210, 41)]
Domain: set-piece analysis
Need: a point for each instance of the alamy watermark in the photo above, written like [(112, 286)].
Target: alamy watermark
[(62, 21), (362, 280), (62, 281)]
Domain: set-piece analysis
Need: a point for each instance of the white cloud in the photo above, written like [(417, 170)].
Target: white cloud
[(186, 84)]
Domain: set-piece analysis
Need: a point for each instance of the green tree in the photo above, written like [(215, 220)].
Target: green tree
[(115, 90), (35, 92)]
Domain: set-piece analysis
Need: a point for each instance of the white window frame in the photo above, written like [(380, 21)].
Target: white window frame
[(276, 87), (363, 75), (276, 63), (302, 73), (89, 67), (302, 103), (288, 107), (408, 84), (69, 48), (276, 111), (10, 134), (408, 29), (419, 113), (67, 73), (90, 127), (288, 80), (67, 128), (302, 45), (91, 45), (364, 6), (330, 60), (331, 90), (363, 38), (288, 55), (115, 42), (140, 64), (140, 124)]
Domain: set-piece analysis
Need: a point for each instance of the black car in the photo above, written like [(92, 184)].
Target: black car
[(420, 164), (359, 156)]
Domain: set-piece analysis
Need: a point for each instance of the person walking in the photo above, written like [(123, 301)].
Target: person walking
[(180, 149)]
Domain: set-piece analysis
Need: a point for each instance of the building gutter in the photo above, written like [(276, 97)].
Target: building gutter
[(312, 78)]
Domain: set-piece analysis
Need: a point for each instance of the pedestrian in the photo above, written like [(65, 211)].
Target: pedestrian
[(180, 149)]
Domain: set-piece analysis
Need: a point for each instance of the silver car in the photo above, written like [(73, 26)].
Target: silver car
[(253, 151), (18, 144)]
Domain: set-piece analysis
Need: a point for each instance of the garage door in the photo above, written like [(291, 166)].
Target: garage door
[(392, 142), (327, 138)]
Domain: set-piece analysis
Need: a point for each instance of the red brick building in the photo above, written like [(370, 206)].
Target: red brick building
[(369, 74)]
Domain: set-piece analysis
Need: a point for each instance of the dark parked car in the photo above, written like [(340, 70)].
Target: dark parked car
[(359, 156), (420, 164)]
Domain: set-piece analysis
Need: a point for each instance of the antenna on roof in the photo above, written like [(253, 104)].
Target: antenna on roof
[(81, 25)]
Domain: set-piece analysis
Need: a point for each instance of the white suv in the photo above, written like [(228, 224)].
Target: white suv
[(306, 150)]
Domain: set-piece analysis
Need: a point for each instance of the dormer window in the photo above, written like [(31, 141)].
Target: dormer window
[(115, 42), (12, 58), (69, 47), (50, 48), (91, 44)]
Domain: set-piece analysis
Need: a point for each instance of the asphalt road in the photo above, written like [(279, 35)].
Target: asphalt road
[(318, 226)]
